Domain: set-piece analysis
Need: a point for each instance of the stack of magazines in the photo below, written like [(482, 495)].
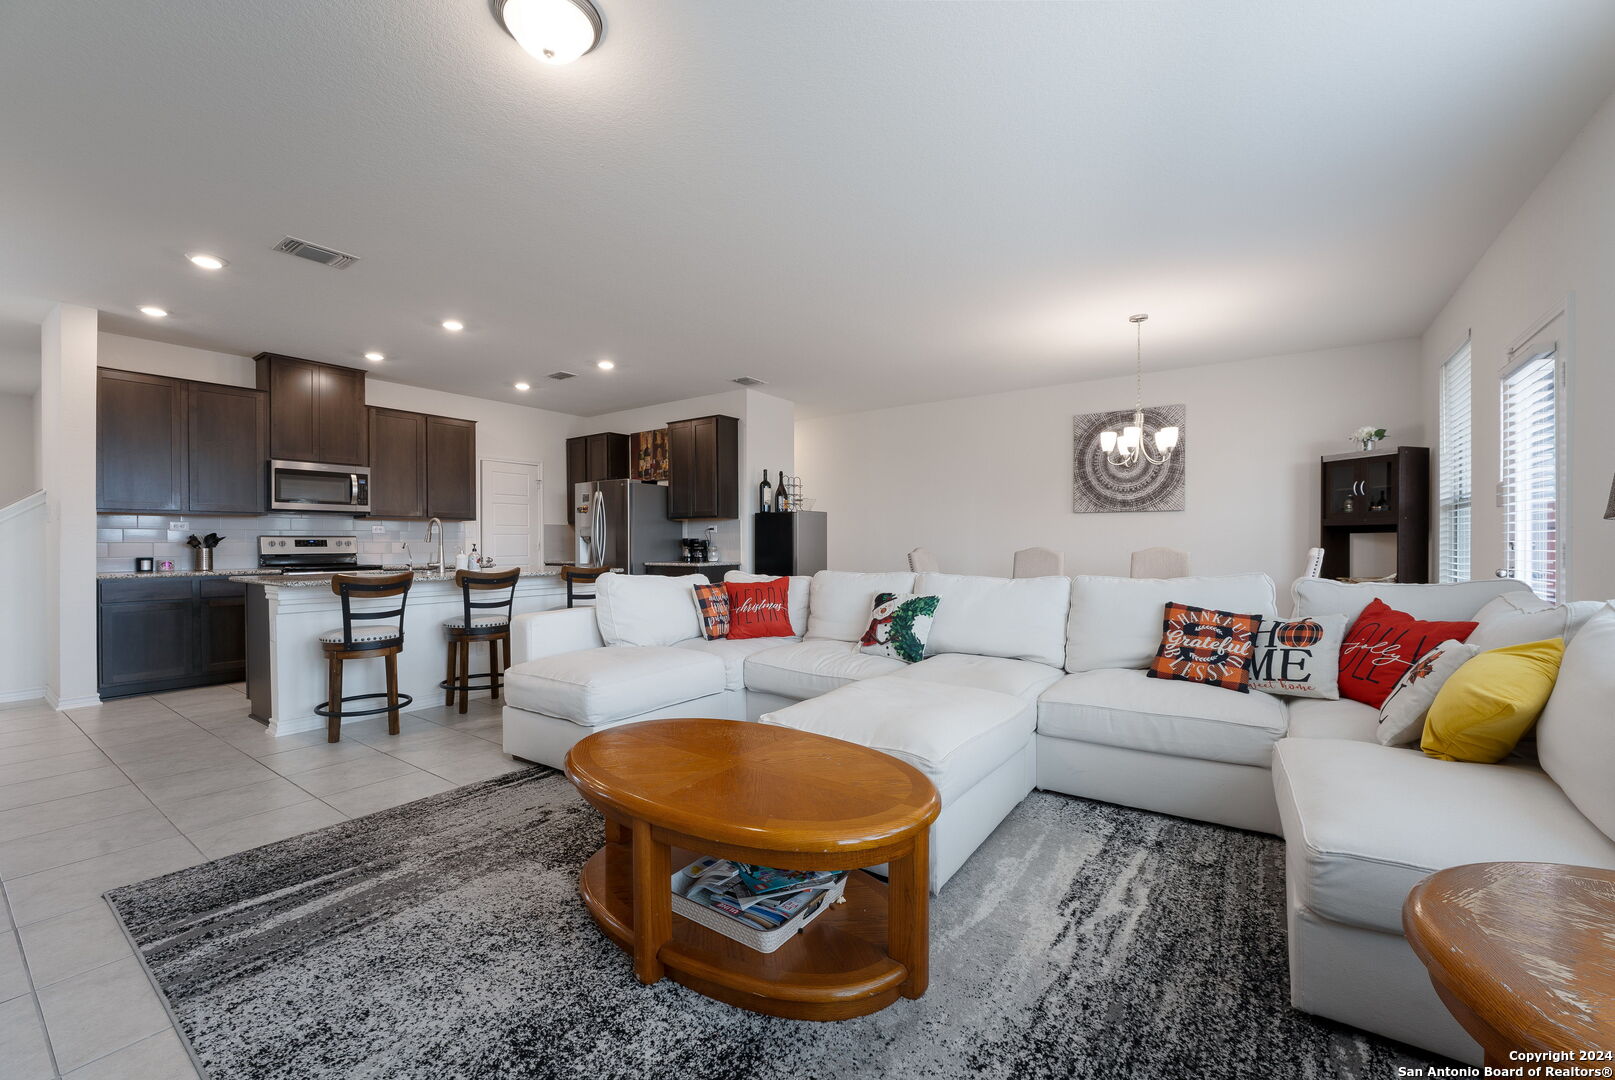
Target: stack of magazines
[(759, 896)]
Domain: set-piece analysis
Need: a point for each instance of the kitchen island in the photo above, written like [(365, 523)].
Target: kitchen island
[(287, 613)]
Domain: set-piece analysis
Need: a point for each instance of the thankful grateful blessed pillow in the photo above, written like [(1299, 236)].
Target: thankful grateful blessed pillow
[(1205, 646)]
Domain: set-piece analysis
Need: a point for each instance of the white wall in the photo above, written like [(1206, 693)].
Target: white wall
[(977, 478), (18, 439), (23, 612), (68, 347), (1559, 247)]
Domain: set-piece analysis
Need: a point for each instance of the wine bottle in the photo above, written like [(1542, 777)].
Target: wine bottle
[(779, 493), (764, 490)]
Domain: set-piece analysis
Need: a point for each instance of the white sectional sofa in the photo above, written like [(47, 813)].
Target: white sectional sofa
[(1040, 682)]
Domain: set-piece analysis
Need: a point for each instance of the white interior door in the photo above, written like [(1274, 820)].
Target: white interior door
[(512, 513)]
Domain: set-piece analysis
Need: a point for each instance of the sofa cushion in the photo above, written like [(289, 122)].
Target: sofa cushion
[(1116, 622), (807, 669), (733, 652), (1126, 708), (953, 734), (598, 686), (1575, 739), (1018, 618), (1365, 823), (1343, 718), (840, 602), (1521, 618), (1018, 678), (646, 609), (797, 592), (1458, 600)]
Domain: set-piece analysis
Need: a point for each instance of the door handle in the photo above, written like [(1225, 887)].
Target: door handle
[(353, 489), (598, 540)]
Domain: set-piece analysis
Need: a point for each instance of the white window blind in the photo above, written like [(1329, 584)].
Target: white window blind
[(1530, 468), (1454, 497)]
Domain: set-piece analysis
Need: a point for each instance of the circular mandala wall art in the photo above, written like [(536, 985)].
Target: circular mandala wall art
[(1098, 487)]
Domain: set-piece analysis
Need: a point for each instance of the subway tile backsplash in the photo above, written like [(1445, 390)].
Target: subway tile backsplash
[(120, 538)]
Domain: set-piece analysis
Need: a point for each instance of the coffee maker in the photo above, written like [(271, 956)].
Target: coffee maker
[(695, 549)]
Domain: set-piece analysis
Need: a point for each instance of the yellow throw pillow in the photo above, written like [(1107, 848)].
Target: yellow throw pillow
[(1491, 702)]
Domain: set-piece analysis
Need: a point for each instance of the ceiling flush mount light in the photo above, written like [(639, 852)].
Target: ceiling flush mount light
[(1128, 449), (555, 31), (375, 357), (606, 365), (453, 326), (206, 262), (154, 311), (523, 386)]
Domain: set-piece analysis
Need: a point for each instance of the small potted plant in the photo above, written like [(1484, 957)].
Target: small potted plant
[(1367, 437)]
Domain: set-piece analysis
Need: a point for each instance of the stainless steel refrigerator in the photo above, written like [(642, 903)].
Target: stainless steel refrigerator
[(622, 523)]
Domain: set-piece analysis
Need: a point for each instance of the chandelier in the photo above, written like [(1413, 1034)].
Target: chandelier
[(1128, 449)]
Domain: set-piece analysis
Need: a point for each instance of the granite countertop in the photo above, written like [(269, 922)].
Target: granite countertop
[(304, 581), (681, 562), (113, 575)]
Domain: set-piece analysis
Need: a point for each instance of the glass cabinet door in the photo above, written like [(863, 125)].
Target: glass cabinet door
[(1341, 489), (1379, 487)]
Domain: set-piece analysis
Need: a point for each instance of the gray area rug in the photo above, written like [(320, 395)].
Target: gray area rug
[(445, 938)]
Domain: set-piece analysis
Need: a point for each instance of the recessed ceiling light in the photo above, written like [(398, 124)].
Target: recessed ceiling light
[(154, 311), (453, 325), (207, 262), (523, 386), (375, 357), (606, 365), (555, 31)]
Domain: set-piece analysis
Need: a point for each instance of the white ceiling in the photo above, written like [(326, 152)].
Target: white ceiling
[(862, 203)]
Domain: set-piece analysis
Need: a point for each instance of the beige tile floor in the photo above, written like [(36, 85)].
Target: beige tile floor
[(95, 798)]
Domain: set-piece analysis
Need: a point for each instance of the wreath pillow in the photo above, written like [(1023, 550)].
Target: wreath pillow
[(899, 626)]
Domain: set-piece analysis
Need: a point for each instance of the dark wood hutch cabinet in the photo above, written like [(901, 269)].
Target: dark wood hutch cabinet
[(1377, 493)]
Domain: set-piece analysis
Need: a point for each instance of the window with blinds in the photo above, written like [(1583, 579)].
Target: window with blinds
[(1454, 495), (1529, 492)]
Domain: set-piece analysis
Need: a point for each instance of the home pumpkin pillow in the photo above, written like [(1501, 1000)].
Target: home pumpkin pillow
[(1299, 657), (759, 609), (1383, 644), (1490, 702), (1206, 646), (900, 626)]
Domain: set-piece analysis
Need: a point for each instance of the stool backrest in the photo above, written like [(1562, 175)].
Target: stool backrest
[(351, 587), (488, 581)]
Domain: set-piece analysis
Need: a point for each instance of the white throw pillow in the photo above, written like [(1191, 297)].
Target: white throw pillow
[(1401, 717), (1520, 618), (1016, 618), (1575, 739), (1299, 657), (796, 597), (646, 609), (840, 601), (1116, 622)]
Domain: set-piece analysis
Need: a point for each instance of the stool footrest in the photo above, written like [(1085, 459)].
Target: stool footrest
[(324, 707), (467, 684)]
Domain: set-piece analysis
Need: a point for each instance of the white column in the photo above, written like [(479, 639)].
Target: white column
[(67, 471)]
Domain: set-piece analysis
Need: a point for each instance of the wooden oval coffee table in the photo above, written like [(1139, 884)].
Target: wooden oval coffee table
[(1523, 956), (674, 790)]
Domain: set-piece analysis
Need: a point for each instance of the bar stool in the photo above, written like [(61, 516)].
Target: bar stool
[(581, 575), (466, 629), (348, 642)]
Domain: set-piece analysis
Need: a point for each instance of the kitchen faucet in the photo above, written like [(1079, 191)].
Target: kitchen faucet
[(436, 525)]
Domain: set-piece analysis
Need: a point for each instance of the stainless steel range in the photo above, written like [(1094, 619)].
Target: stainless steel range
[(311, 554)]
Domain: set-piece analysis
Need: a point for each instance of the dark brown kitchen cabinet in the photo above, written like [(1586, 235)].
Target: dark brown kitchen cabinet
[(228, 441), (316, 411), (605, 455), (451, 468), (140, 437), (397, 464), (703, 468), (169, 633)]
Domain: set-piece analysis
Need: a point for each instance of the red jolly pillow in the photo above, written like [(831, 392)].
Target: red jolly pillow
[(1383, 644), (759, 608)]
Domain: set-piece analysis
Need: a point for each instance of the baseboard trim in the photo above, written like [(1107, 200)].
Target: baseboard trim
[(36, 693), (63, 704)]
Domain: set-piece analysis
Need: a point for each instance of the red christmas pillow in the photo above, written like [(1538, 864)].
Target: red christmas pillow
[(759, 608), (1383, 644)]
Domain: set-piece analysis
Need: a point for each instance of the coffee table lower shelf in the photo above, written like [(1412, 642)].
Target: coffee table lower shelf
[(834, 969)]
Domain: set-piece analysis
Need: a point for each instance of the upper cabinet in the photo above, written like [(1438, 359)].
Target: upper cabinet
[(171, 445), (316, 411), (451, 468), (703, 468), (398, 464), (602, 456)]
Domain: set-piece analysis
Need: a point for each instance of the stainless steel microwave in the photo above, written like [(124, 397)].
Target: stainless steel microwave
[(309, 485)]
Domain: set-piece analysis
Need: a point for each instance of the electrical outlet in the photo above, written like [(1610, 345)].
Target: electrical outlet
[(180, 526), (377, 530)]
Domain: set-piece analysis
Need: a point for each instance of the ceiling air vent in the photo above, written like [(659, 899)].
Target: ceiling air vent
[(336, 260), (747, 380), (561, 376)]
